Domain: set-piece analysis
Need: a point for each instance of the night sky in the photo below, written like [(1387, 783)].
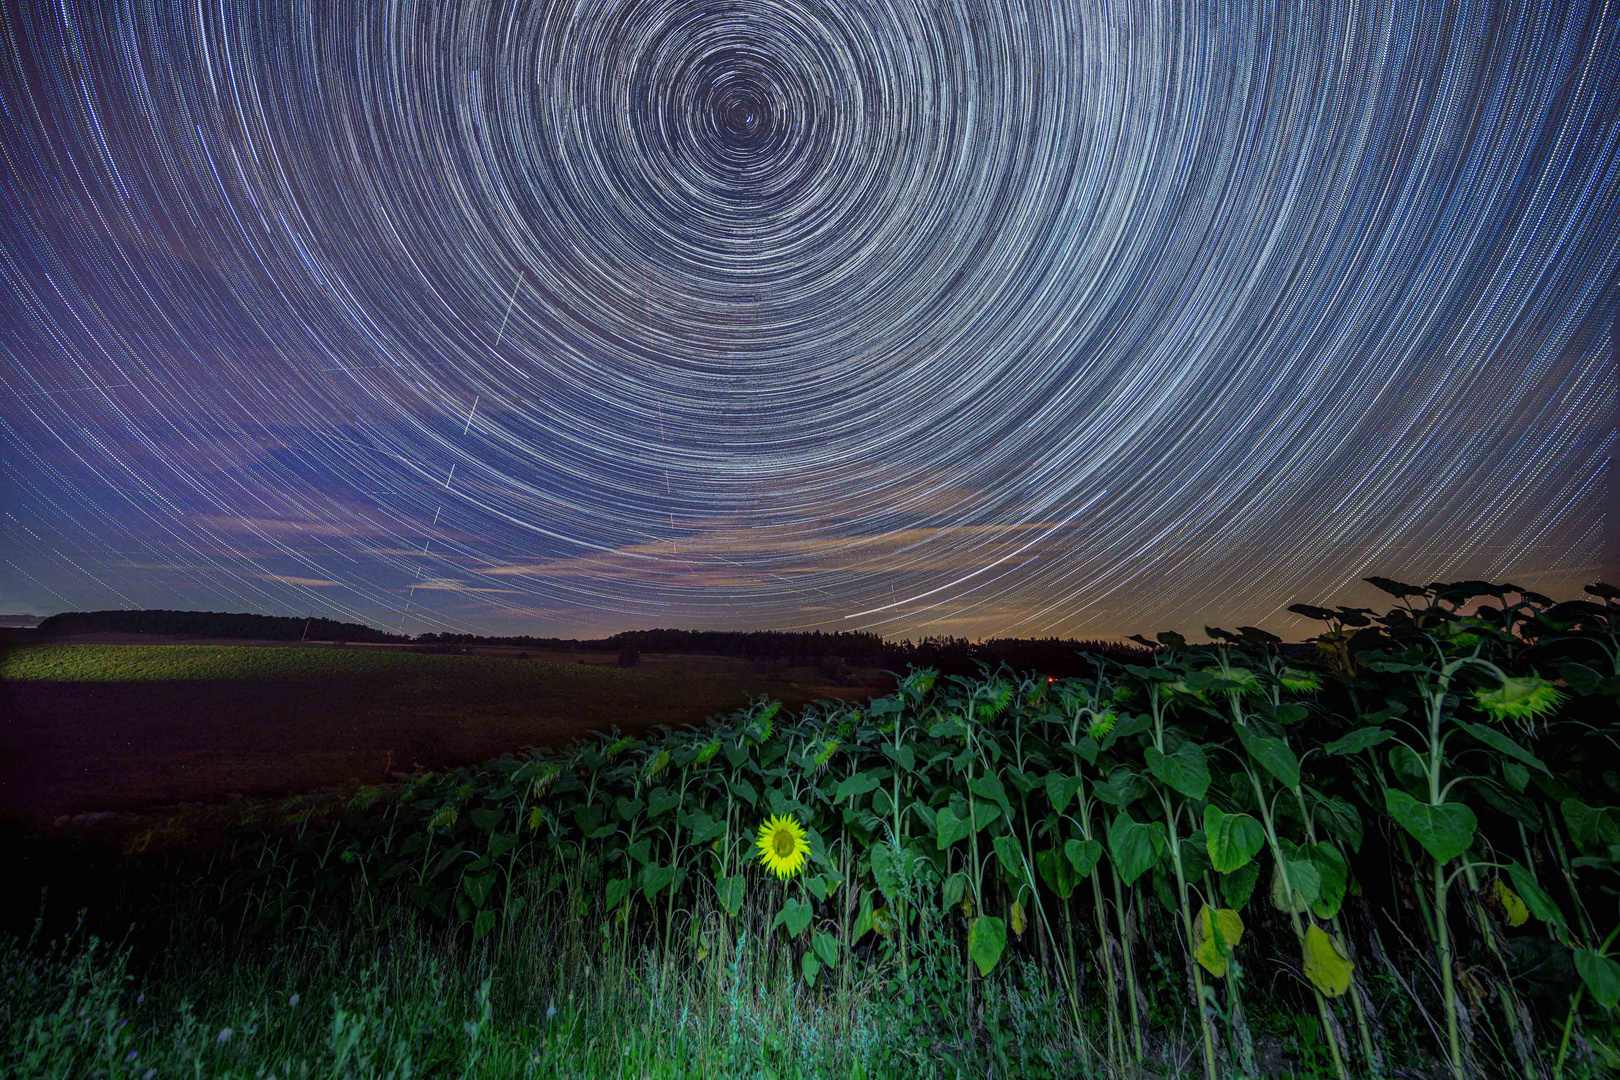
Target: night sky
[(1003, 317)]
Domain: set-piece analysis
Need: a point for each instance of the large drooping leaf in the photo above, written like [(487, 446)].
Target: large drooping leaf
[(1535, 898), (1122, 788), (1010, 856), (1339, 817), (949, 828), (655, 878), (905, 757), (1445, 831), (1327, 964), (1335, 875), (863, 919), (1592, 828), (478, 886), (661, 801), (730, 890), (1239, 885), (1194, 855), (1580, 678), (1601, 976), (1304, 879), (1055, 870), (1273, 755), (1060, 789), (1135, 846), (1232, 839), (1083, 855), (1185, 770), (990, 787), (809, 967), (1217, 932), (826, 947), (795, 915), (853, 786), (1410, 770), (987, 938), (1358, 740), (1513, 909), (1502, 744)]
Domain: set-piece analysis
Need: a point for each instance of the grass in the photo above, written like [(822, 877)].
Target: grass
[(400, 998)]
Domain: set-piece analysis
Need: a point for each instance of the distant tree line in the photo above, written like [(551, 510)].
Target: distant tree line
[(949, 655), (211, 624)]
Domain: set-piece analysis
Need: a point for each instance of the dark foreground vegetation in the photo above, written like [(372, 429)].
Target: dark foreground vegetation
[(1397, 859)]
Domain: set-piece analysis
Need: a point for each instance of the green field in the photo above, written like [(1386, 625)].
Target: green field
[(160, 663)]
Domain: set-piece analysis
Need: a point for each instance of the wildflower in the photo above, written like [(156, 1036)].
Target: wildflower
[(292, 1002), (224, 1035), (133, 1054), (1523, 699), (782, 846), (551, 1010)]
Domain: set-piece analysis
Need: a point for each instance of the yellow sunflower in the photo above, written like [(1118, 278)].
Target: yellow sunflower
[(781, 845)]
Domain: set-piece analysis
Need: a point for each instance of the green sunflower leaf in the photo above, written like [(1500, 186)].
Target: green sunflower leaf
[(1445, 831), (987, 939)]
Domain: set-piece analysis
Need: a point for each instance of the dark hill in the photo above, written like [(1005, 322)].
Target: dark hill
[(216, 624)]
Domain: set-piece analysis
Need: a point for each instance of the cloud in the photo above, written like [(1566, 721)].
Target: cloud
[(288, 579), (724, 555), (449, 585), (280, 527)]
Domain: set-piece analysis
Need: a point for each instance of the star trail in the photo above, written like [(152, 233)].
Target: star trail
[(1010, 317)]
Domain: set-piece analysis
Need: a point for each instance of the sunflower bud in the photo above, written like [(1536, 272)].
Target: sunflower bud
[(1300, 682), (544, 780), (445, 818), (1101, 724), (707, 753), (1523, 699)]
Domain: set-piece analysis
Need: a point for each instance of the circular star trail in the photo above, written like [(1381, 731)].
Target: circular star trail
[(1010, 317)]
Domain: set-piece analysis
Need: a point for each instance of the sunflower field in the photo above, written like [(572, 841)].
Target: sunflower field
[(1390, 852)]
